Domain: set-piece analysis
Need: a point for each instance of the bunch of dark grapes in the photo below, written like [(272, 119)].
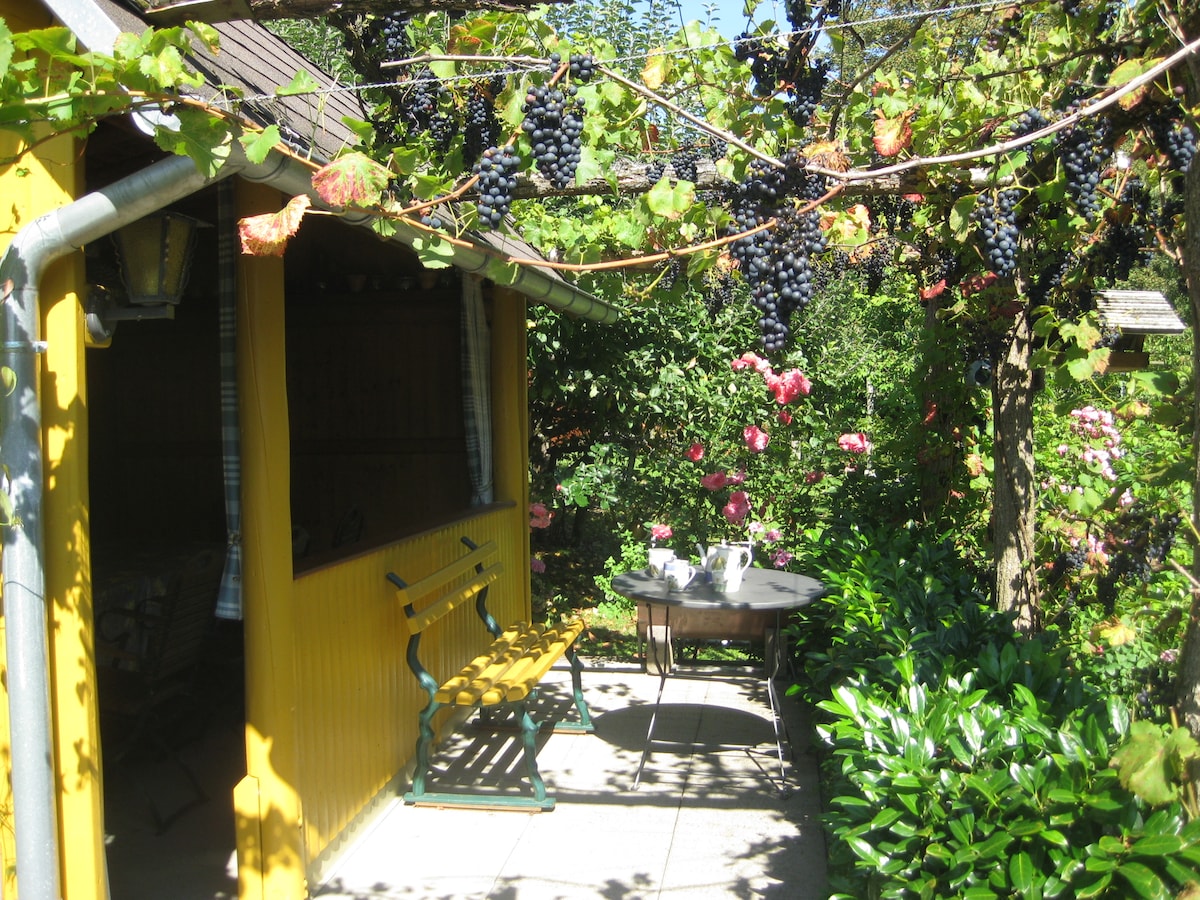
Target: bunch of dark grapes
[(1028, 122), (393, 40), (655, 172), (482, 128), (1070, 559), (718, 293), (415, 103), (716, 149), (555, 131), (1141, 542), (874, 267), (1126, 241), (1175, 138), (683, 161), (785, 278), (997, 218), (1081, 150), (1050, 277), (497, 171), (766, 63), (582, 67), (443, 129), (891, 212), (942, 265), (807, 90)]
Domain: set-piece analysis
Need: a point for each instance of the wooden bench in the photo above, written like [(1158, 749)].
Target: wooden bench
[(506, 675)]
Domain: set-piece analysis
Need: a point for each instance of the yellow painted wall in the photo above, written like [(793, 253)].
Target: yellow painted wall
[(52, 179), (267, 802)]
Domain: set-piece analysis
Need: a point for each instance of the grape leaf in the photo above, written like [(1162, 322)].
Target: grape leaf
[(257, 144), (301, 83), (268, 234), (657, 70), (352, 180), (894, 134)]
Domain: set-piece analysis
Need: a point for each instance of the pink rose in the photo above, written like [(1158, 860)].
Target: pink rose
[(738, 507), (751, 360), (756, 439), (788, 386), (780, 558), (539, 516), (660, 532), (784, 417), (695, 452), (756, 528), (536, 565), (714, 481), (738, 478), (772, 535), (854, 443)]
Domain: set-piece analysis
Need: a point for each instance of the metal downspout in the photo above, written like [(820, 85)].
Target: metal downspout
[(26, 614)]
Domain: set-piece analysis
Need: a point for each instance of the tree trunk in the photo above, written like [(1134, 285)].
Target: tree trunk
[(1187, 684), (1013, 515)]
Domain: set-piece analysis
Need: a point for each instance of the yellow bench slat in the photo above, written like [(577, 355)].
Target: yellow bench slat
[(511, 667), (436, 580), (524, 676), (423, 618)]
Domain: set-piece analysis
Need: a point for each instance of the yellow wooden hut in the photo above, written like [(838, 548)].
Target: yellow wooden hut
[(307, 418)]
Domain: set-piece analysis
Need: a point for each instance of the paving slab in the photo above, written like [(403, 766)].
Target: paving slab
[(712, 817)]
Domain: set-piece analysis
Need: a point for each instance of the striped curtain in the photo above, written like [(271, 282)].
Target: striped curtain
[(477, 389), (229, 600)]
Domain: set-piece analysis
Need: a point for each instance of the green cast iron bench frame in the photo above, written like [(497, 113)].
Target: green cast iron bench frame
[(506, 675)]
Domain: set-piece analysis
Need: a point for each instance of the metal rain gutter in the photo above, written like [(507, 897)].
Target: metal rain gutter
[(294, 178)]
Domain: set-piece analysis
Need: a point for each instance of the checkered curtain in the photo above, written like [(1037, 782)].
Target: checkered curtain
[(229, 600), (477, 389)]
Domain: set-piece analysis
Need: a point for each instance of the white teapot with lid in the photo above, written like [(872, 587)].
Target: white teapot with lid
[(727, 562)]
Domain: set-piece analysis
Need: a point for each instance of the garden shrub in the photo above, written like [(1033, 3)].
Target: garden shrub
[(960, 760)]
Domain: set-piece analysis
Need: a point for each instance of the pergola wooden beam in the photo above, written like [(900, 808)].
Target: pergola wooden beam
[(176, 12)]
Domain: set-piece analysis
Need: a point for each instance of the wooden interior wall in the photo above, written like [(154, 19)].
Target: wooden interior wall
[(374, 394), (154, 404)]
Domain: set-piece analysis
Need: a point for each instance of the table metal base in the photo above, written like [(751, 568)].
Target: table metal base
[(660, 660)]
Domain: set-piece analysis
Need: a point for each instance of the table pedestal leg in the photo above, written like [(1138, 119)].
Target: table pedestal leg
[(772, 657), (659, 661)]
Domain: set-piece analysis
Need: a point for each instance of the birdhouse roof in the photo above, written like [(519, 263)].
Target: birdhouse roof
[(1138, 312)]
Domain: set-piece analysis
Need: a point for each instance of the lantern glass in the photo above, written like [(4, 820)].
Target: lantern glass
[(156, 255)]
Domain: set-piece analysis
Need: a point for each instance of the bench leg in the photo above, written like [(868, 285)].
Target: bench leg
[(424, 745), (585, 717), (529, 734)]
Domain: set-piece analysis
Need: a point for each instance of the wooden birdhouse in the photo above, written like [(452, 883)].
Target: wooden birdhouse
[(1133, 315)]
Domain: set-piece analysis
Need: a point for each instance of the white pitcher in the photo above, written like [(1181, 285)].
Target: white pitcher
[(728, 564)]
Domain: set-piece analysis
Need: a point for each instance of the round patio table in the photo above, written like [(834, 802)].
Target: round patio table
[(758, 606)]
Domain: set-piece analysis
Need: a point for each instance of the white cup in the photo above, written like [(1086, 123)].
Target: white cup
[(679, 574), (659, 558)]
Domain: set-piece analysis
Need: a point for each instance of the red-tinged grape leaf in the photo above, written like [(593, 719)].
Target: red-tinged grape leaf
[(267, 235), (352, 180), (934, 290), (893, 135)]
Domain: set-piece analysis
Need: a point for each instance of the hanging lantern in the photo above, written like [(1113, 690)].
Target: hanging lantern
[(155, 254), (155, 257)]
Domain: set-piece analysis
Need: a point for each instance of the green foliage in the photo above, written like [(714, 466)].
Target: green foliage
[(961, 761)]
